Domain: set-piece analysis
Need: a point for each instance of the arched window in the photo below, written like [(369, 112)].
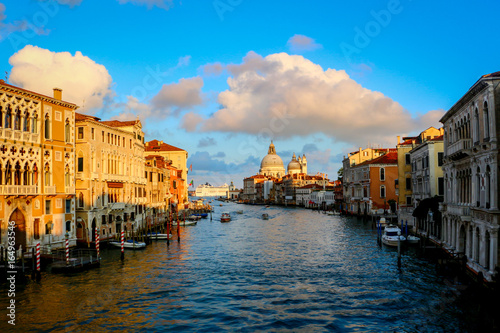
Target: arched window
[(34, 124), (382, 191), (47, 127), (478, 187), (476, 125), (34, 181), (487, 186), (26, 174), (67, 131), (17, 120), (67, 176), (26, 122), (17, 174), (1, 116), (8, 117), (8, 174), (486, 119), (382, 173)]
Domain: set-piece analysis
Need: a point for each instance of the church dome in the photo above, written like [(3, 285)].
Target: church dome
[(272, 164), (294, 165)]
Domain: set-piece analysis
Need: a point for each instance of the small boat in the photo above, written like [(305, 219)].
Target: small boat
[(203, 215), (225, 217), (412, 239), (188, 222), (383, 222), (265, 216), (220, 205), (129, 244), (390, 236), (239, 212), (193, 217), (156, 235)]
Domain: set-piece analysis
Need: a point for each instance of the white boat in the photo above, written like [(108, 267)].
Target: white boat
[(331, 212), (225, 217), (390, 235), (155, 235), (188, 222), (265, 216), (239, 212), (412, 239), (129, 244), (193, 217)]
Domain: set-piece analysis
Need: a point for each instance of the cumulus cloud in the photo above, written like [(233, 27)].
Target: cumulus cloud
[(83, 81), (190, 121), (301, 43), (214, 69), (206, 142), (282, 96), (164, 4), (175, 97)]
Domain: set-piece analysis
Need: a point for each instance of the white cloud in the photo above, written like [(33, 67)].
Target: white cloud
[(190, 121), (175, 97), (83, 81), (283, 95), (164, 4), (17, 26), (300, 43), (214, 69)]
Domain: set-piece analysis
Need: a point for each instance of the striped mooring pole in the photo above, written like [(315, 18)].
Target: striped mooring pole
[(123, 242), (97, 243), (67, 251), (38, 257)]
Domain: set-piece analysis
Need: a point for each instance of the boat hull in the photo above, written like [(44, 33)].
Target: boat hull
[(129, 245)]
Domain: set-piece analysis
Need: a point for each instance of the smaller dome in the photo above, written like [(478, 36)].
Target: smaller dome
[(293, 165)]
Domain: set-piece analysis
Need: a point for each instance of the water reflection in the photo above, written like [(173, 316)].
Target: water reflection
[(298, 270)]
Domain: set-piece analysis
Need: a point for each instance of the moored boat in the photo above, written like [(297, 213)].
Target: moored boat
[(265, 216), (391, 235), (225, 217), (129, 244), (412, 239), (156, 235)]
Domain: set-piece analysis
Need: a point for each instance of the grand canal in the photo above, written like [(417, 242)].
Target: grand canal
[(300, 270)]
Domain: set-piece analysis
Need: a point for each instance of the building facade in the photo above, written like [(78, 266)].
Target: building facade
[(471, 207), (37, 190)]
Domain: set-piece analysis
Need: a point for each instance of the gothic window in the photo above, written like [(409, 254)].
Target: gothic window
[(26, 174), (8, 117), (17, 174), (26, 122), (1, 116), (80, 200), (486, 118), (476, 125), (487, 186), (8, 174), (17, 120), (478, 187), (34, 124), (47, 127), (47, 174), (382, 191), (67, 176)]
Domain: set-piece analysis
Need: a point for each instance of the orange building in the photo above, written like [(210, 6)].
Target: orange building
[(37, 184), (374, 184)]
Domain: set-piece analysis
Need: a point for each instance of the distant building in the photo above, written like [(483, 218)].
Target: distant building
[(207, 190)]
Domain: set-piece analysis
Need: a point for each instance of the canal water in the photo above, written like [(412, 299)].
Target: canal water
[(300, 270)]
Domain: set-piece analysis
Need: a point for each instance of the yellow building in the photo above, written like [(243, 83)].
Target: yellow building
[(37, 178), (157, 189), (110, 178), (178, 158)]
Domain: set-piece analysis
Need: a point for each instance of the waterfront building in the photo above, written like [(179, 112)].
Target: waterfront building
[(353, 159), (37, 185), (471, 207), (351, 186), (110, 178), (207, 190), (157, 189), (177, 188), (249, 187), (178, 158), (303, 194), (373, 184), (234, 193)]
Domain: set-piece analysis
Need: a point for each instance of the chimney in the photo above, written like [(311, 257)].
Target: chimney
[(58, 93), (398, 140)]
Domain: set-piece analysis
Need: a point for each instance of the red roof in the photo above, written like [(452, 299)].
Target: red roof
[(118, 123), (81, 116), (389, 158), (437, 138), (155, 145)]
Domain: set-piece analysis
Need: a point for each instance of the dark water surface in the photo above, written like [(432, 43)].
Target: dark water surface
[(300, 271)]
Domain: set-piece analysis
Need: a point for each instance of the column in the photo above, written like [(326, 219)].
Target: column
[(468, 247), (493, 250), (482, 250), (474, 245)]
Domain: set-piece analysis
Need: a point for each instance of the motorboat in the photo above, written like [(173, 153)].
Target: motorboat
[(225, 217), (129, 244), (189, 222), (239, 212), (157, 235), (193, 217), (203, 215), (412, 239), (391, 235), (265, 216)]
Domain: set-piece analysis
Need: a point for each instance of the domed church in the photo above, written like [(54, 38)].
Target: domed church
[(272, 164)]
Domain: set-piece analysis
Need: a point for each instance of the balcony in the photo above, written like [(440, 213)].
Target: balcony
[(463, 211), (10, 134), (116, 205), (18, 190), (459, 149), (50, 190), (70, 190)]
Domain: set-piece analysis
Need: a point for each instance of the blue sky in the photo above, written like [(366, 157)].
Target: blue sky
[(222, 78)]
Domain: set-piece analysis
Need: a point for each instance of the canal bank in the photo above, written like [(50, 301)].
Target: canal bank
[(298, 270)]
